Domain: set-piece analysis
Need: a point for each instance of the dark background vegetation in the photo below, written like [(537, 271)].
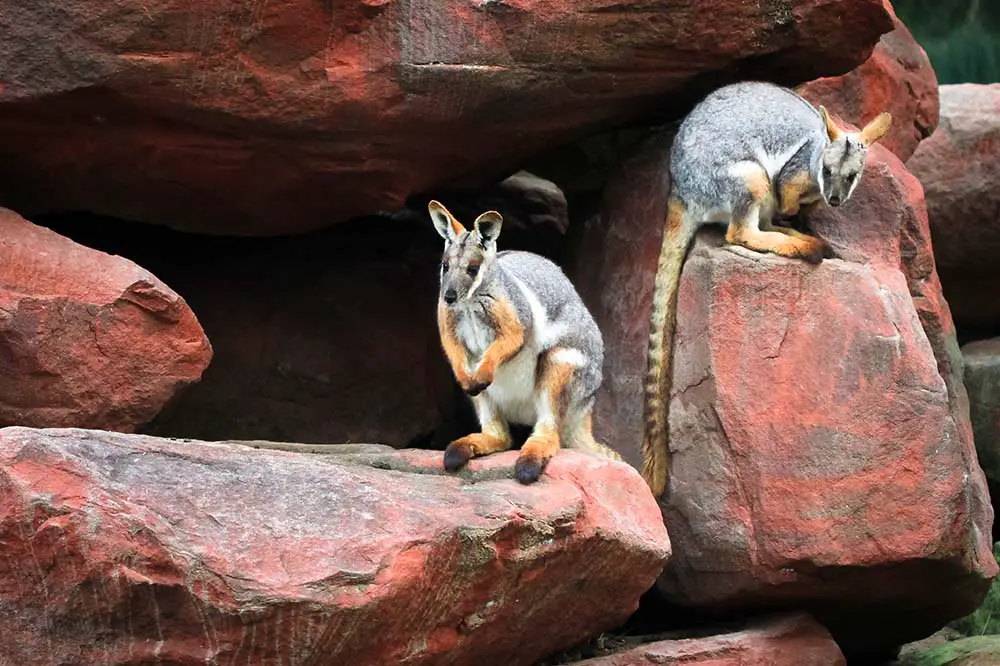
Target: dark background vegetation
[(961, 37)]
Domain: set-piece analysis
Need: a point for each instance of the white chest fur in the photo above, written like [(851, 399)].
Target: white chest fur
[(513, 387), (474, 334)]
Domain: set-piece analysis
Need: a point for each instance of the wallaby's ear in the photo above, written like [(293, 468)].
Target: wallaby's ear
[(445, 223), (832, 130), (876, 129), (488, 225)]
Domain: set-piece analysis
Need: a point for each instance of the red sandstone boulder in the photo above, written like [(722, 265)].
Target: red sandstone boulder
[(280, 117), (899, 78), (785, 641), (87, 339), (127, 549), (959, 167), (822, 450)]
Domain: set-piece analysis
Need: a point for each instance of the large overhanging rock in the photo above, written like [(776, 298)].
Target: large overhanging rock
[(256, 118)]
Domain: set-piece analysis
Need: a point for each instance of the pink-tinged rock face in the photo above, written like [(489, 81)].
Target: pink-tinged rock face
[(822, 450), (614, 274), (784, 641), (125, 549), (87, 339), (898, 78), (959, 169), (228, 117)]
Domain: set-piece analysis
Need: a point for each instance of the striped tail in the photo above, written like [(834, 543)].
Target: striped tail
[(678, 232)]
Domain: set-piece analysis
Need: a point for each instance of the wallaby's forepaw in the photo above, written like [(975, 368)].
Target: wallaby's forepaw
[(477, 382), (815, 250), (457, 455), (529, 468), (474, 388)]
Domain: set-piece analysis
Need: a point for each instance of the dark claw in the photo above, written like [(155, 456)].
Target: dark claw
[(456, 456), (528, 469), (476, 389), (817, 252)]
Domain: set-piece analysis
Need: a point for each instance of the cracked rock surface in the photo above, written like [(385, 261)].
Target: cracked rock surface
[(128, 549), (820, 435)]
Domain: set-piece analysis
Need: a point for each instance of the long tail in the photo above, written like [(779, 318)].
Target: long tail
[(678, 232)]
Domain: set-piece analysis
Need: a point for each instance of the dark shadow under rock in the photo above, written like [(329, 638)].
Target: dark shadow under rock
[(322, 337)]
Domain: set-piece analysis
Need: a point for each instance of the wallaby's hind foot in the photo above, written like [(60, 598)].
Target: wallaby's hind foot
[(557, 373), (784, 245), (748, 230), (461, 451), (535, 456)]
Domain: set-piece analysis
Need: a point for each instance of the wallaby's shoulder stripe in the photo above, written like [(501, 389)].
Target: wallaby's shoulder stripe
[(754, 176)]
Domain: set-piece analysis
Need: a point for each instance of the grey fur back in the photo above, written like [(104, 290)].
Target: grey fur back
[(749, 121)]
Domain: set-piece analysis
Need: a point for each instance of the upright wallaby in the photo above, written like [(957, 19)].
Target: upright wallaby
[(520, 342), (748, 152)]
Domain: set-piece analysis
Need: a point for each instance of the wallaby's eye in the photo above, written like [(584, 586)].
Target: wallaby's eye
[(826, 172), (444, 266), (472, 270)]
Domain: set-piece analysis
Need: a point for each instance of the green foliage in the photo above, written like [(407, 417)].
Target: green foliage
[(961, 37), (949, 653), (986, 618)]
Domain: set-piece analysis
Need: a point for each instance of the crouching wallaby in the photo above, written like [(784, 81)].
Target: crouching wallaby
[(520, 342), (747, 153)]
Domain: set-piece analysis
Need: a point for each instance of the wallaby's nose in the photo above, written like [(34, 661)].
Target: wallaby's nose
[(834, 200), (450, 296)]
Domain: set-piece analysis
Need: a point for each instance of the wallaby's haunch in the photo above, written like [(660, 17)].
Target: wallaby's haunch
[(747, 153), (520, 342)]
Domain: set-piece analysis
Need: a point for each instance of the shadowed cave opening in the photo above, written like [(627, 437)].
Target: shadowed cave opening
[(320, 338)]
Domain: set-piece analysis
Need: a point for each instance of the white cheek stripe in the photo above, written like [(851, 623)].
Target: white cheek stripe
[(477, 282), (854, 185), (819, 181)]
